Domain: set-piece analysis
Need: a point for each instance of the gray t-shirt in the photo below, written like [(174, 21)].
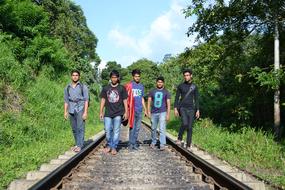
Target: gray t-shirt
[(159, 100), (76, 98)]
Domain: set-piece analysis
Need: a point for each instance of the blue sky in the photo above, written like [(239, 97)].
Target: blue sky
[(128, 30)]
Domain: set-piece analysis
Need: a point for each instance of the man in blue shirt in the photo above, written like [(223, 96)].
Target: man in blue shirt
[(136, 93), (76, 99), (159, 111)]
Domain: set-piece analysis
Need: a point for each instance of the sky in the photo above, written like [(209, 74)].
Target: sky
[(128, 30)]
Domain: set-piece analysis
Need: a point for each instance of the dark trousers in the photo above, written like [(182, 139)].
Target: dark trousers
[(187, 119)]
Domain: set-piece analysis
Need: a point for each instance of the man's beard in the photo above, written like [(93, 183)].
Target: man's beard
[(75, 81)]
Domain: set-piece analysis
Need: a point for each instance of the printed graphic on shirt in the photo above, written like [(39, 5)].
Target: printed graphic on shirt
[(137, 92), (158, 97), (113, 95)]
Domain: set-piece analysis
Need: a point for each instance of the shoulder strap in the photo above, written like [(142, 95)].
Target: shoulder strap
[(67, 89), (192, 87), (81, 86)]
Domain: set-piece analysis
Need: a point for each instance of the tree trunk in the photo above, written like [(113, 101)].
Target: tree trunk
[(277, 91)]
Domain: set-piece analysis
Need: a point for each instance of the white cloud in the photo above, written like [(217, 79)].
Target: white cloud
[(166, 34), (102, 64)]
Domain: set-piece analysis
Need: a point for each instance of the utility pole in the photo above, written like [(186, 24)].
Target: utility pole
[(277, 90)]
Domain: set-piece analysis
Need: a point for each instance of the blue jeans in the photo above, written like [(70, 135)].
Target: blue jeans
[(112, 129), (161, 119), (134, 132), (78, 127)]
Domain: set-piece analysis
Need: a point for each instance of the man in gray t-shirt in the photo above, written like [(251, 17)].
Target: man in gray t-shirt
[(76, 99)]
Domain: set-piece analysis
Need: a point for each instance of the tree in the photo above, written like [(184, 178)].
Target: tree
[(236, 21), (149, 72), (112, 65)]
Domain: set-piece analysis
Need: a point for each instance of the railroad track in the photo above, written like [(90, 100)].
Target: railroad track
[(174, 168)]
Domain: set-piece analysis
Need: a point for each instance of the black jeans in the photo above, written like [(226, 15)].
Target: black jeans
[(187, 119)]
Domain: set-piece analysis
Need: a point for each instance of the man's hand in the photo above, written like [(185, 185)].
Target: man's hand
[(65, 115), (146, 114), (101, 116), (149, 115), (125, 116), (84, 116), (198, 114), (176, 113), (167, 117)]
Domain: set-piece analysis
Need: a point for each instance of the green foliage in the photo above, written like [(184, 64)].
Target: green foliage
[(10, 69), (46, 51), (49, 35), (236, 19), (271, 79), (69, 24), (23, 18)]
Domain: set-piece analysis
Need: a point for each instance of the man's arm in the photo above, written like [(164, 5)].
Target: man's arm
[(196, 100), (65, 110), (86, 99), (168, 110), (144, 107), (176, 102), (102, 104), (149, 102), (66, 100), (126, 115)]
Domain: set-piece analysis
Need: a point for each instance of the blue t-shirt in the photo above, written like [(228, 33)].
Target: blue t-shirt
[(138, 93), (159, 100)]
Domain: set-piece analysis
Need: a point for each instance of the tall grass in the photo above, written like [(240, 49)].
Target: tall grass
[(38, 133), (250, 149)]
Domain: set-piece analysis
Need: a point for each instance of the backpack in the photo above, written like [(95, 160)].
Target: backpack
[(81, 87)]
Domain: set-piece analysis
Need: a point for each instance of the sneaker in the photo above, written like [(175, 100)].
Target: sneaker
[(152, 146), (77, 149), (73, 148), (162, 148), (178, 142), (189, 148)]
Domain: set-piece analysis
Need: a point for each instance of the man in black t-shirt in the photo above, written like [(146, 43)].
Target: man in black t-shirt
[(114, 99), (187, 106)]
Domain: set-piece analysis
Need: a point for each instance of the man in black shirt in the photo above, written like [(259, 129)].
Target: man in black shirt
[(114, 99), (186, 106)]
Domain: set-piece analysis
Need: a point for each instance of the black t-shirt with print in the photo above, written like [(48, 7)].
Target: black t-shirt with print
[(114, 97)]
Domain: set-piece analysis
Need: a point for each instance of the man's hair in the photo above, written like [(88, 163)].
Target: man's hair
[(114, 73), (187, 71), (160, 78), (75, 71), (136, 72)]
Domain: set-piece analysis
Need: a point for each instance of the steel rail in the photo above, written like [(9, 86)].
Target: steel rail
[(55, 177), (223, 179)]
